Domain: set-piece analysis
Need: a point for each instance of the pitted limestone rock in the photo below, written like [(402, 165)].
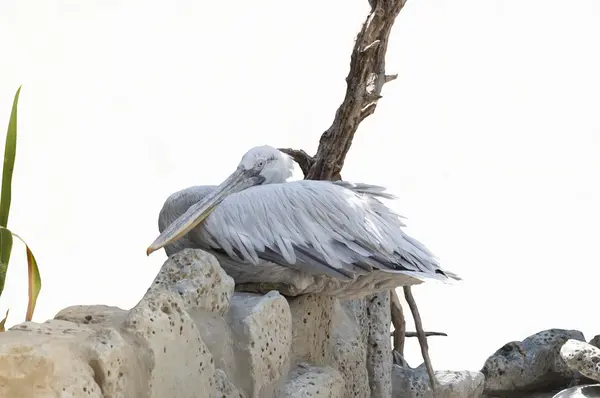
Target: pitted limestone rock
[(206, 292), (197, 277), (225, 388), (379, 345), (349, 346), (309, 381), (46, 360), (92, 314), (311, 328), (176, 350), (262, 331), (582, 357), (531, 365), (413, 383), (121, 368)]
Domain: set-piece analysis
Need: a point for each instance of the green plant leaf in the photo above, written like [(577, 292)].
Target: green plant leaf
[(10, 149), (33, 274), (35, 283), (2, 322), (6, 242)]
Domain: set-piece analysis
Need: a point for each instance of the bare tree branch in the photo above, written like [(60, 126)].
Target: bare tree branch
[(304, 160), (364, 84), (421, 334), (415, 334), (398, 321)]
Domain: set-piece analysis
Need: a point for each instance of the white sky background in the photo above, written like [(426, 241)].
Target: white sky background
[(490, 137)]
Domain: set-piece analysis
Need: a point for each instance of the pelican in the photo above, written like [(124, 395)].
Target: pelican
[(334, 238)]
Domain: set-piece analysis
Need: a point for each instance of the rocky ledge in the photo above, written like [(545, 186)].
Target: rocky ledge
[(192, 335)]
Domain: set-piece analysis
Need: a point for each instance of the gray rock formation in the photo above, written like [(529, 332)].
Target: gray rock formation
[(533, 365), (582, 357), (191, 335), (412, 383), (595, 341)]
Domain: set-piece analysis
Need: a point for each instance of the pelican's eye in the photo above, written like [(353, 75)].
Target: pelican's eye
[(260, 164)]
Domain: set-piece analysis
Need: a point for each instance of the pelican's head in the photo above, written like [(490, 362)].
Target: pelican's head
[(260, 165), (270, 165)]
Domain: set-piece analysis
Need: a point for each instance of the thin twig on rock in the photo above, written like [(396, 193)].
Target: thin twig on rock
[(398, 321), (412, 304), (415, 334)]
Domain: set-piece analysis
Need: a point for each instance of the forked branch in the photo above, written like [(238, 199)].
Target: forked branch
[(364, 85)]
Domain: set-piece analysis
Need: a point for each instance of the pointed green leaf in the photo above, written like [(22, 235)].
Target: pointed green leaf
[(35, 283), (33, 273), (10, 149), (2, 322)]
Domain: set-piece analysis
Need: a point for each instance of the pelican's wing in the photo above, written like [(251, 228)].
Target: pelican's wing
[(336, 228)]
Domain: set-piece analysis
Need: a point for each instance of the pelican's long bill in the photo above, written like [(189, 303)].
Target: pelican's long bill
[(238, 181)]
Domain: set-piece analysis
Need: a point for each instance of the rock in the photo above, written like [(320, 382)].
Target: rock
[(262, 330), (379, 345), (118, 368), (197, 277), (591, 391), (206, 291), (409, 383), (595, 341), (349, 346), (225, 388), (45, 360), (92, 314), (175, 350), (191, 336), (308, 381), (583, 357), (531, 365), (311, 328)]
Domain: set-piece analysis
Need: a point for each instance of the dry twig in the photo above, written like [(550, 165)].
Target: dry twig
[(412, 304), (415, 334), (398, 321)]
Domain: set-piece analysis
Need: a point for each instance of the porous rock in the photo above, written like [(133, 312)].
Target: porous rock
[(582, 357), (309, 381), (311, 328), (262, 330), (533, 365), (206, 292), (225, 388), (349, 346), (191, 336), (45, 360), (92, 314), (379, 345), (176, 350), (197, 277), (408, 382)]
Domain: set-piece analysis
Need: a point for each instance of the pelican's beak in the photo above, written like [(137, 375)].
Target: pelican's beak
[(238, 181)]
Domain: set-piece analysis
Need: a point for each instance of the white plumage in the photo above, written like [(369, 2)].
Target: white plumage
[(335, 230)]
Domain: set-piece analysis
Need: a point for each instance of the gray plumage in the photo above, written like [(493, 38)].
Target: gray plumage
[(336, 235)]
